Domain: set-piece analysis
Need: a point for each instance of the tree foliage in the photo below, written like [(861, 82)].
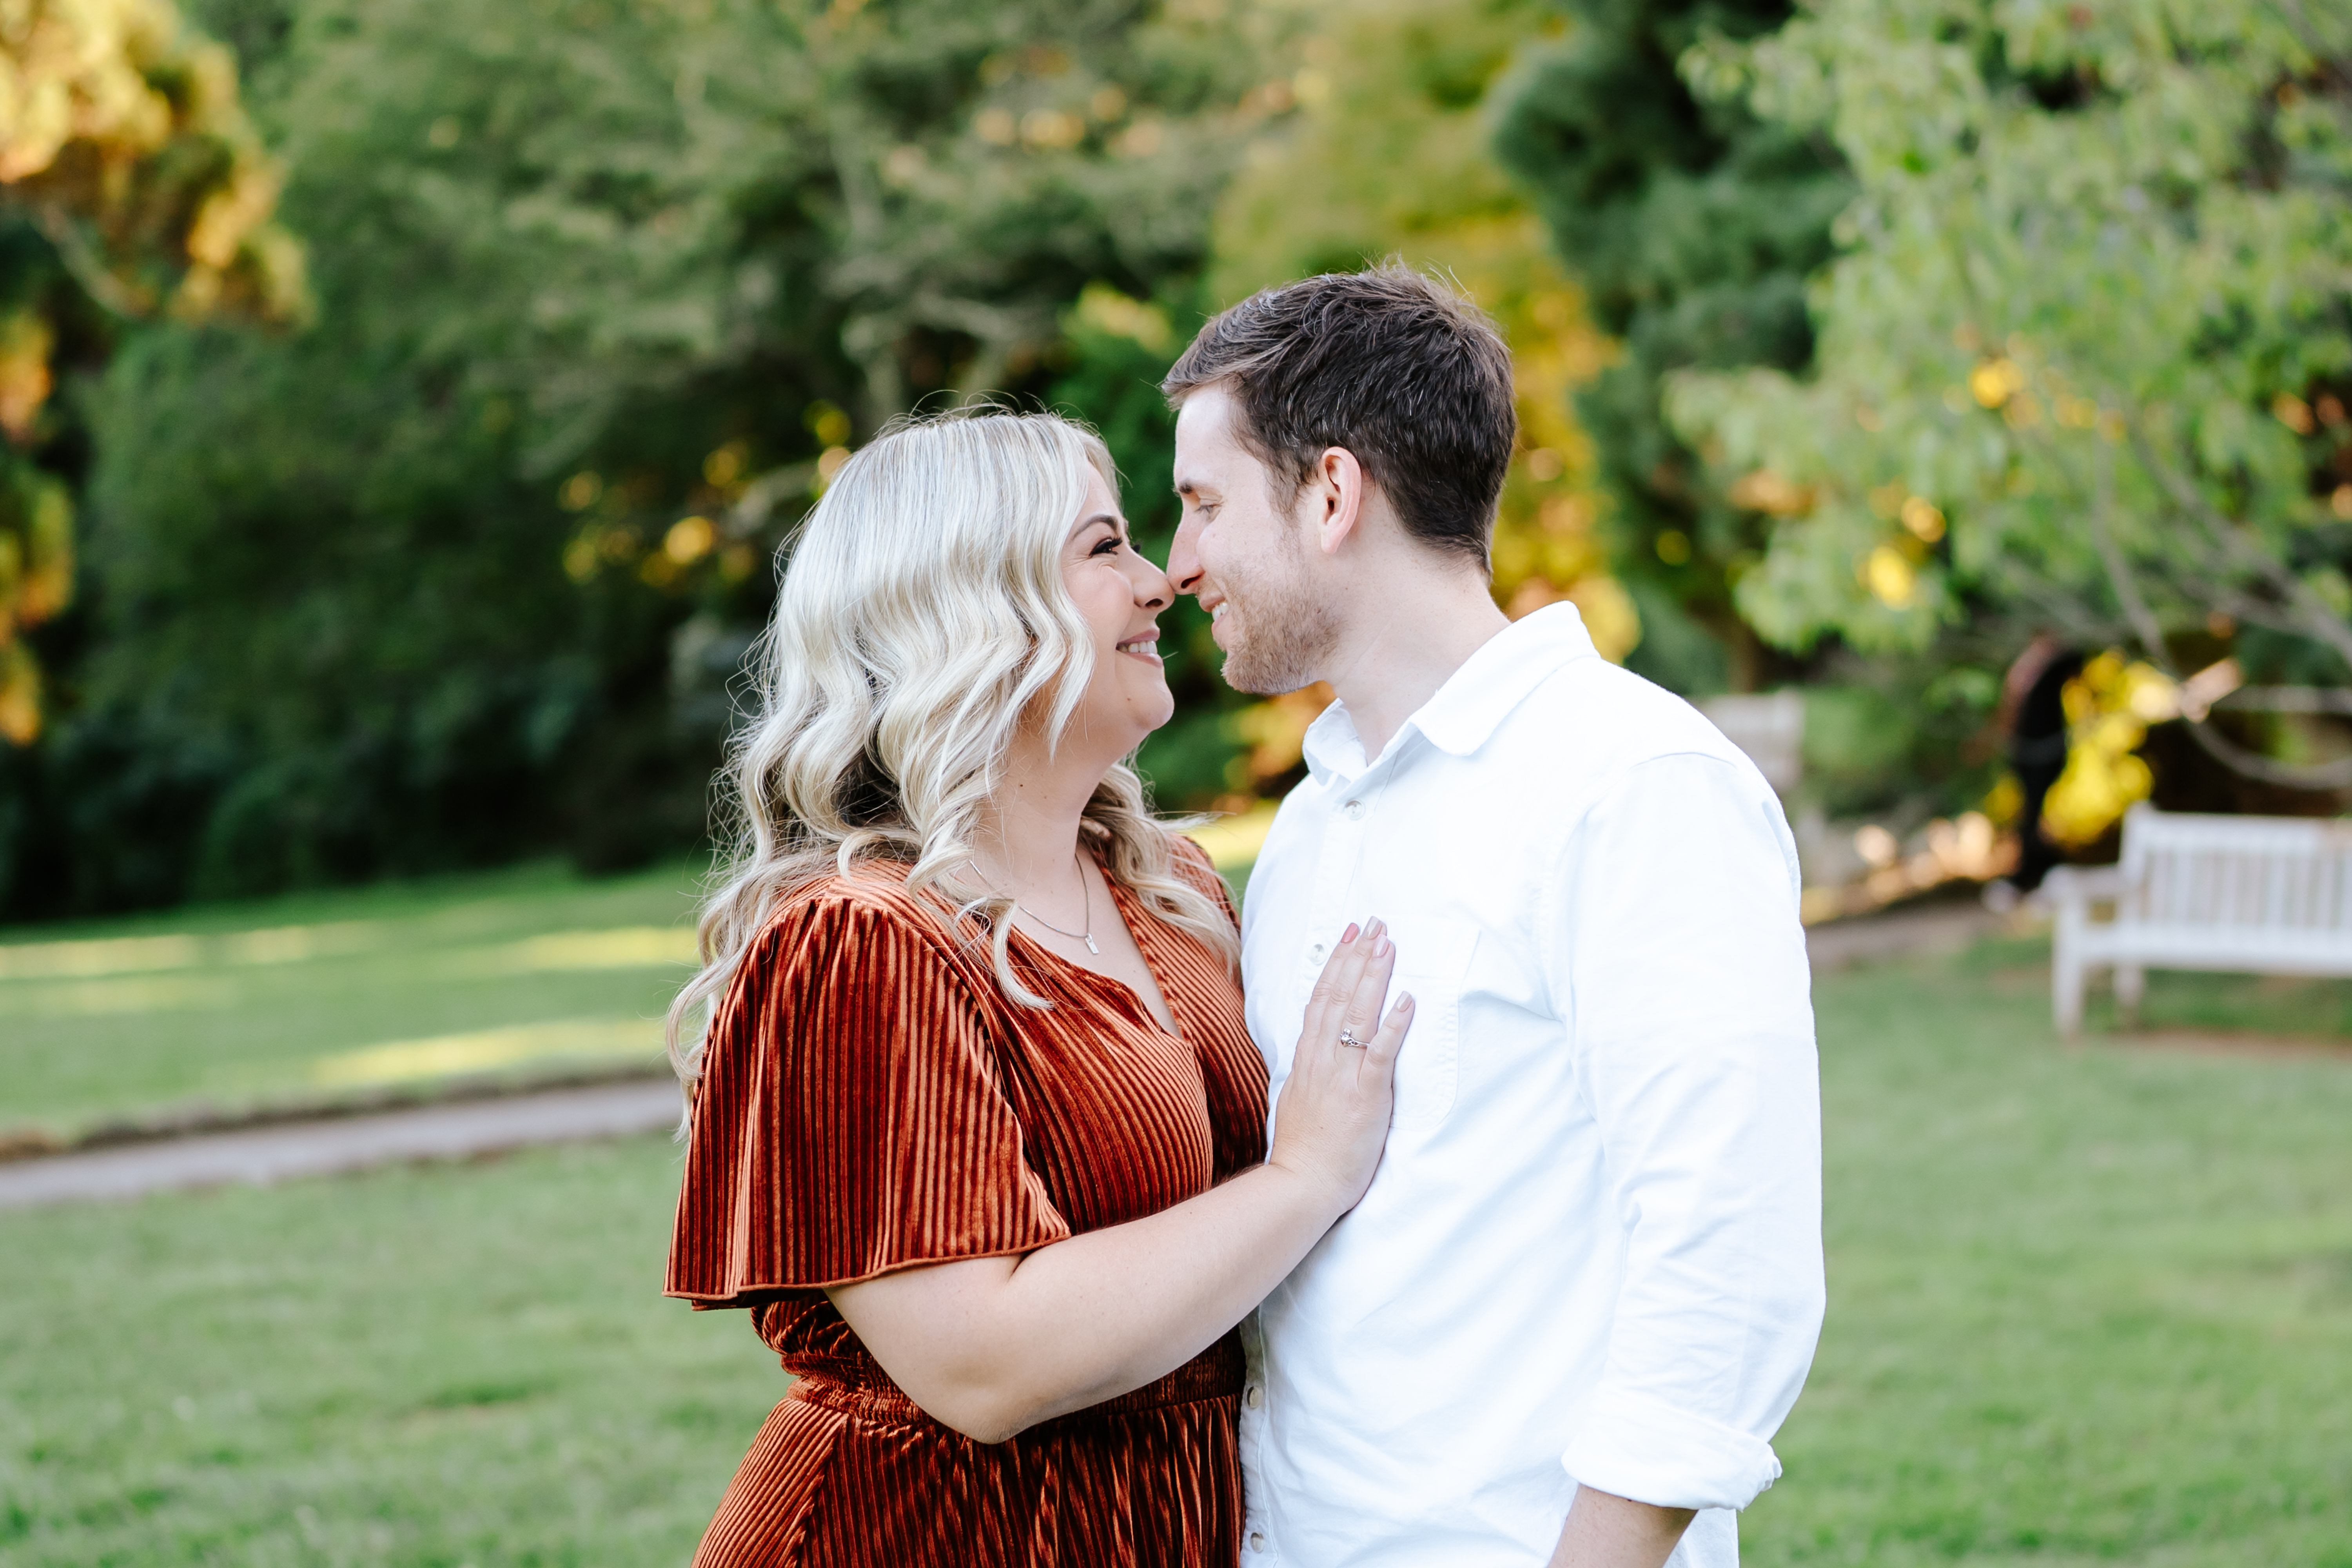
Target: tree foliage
[(602, 285), (1691, 224), (131, 183), (1385, 153), (1387, 156), (2087, 346)]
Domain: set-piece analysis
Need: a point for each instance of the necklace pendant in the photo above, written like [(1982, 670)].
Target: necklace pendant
[(1090, 945)]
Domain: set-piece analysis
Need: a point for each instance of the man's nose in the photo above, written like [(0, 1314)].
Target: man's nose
[(1184, 559)]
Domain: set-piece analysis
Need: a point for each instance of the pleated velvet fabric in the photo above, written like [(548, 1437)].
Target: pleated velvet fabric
[(871, 1102)]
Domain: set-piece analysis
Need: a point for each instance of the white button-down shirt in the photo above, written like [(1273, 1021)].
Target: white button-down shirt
[(1592, 1251)]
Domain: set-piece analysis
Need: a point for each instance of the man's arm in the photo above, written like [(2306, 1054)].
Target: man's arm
[(1678, 960), (1605, 1530)]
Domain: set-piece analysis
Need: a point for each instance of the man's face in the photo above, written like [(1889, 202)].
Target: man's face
[(1243, 549)]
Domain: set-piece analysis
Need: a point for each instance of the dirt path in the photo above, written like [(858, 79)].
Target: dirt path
[(261, 1155), (1941, 926)]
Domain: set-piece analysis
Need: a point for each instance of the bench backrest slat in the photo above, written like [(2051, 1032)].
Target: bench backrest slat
[(2244, 873)]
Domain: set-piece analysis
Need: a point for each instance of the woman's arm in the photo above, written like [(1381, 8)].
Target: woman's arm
[(996, 1344)]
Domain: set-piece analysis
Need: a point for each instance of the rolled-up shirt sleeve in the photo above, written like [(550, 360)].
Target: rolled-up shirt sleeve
[(1678, 962)]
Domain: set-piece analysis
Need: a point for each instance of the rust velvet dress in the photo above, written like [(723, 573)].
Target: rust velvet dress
[(870, 1100)]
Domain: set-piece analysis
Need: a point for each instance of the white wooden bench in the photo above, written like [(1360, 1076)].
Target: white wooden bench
[(2251, 895)]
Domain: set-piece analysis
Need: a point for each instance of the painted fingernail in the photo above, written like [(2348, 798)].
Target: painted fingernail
[(1404, 1003), (1350, 935), (1381, 948)]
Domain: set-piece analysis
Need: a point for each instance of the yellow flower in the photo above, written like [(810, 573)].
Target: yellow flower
[(2108, 709), (1890, 578)]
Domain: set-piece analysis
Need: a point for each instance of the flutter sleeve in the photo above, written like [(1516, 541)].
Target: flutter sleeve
[(849, 1120)]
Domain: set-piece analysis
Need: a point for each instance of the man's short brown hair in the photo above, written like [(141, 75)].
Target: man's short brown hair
[(1395, 367)]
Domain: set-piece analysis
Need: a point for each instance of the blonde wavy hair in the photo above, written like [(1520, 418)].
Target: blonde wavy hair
[(922, 615)]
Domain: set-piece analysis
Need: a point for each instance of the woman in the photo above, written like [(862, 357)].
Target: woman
[(978, 1129)]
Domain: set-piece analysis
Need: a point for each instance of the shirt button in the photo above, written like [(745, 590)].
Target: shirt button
[(1355, 810), (1257, 1540), (1315, 953), (1254, 1397)]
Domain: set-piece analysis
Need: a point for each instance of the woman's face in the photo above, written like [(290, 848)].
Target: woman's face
[(1120, 596)]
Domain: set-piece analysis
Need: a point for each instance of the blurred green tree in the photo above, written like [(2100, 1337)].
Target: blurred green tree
[(605, 291), (2087, 348), (1691, 224), (1385, 152), (1387, 156), (130, 184)]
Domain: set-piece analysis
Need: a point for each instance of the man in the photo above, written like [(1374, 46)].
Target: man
[(1585, 1286), (2034, 713)]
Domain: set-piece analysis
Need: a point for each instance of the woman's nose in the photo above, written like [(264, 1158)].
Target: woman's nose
[(1152, 589)]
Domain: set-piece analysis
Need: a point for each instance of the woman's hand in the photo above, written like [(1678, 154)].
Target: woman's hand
[(1332, 1120), (993, 1345)]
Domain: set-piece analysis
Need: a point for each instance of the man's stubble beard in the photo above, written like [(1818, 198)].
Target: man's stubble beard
[(1287, 637)]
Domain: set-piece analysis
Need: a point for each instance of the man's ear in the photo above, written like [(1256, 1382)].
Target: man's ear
[(1336, 497)]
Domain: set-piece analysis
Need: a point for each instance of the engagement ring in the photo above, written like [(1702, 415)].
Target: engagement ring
[(1348, 1037)]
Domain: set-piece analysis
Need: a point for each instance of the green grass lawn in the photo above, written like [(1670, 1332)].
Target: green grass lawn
[(512, 972), (2088, 1304), (462, 1364)]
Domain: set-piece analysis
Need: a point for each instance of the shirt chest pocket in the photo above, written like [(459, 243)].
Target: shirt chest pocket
[(1434, 964)]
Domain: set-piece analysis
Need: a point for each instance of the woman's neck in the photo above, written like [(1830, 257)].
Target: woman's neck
[(1029, 833)]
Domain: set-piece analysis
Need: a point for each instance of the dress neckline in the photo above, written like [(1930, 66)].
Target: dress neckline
[(1123, 902)]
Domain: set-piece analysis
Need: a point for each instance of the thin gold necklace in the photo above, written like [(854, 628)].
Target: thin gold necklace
[(1085, 890)]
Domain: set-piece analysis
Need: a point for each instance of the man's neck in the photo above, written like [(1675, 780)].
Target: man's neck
[(1395, 655)]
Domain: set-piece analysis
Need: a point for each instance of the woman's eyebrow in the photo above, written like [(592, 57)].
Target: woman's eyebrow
[(1118, 523)]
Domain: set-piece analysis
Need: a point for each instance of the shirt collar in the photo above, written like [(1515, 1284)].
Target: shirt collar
[(1462, 712)]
